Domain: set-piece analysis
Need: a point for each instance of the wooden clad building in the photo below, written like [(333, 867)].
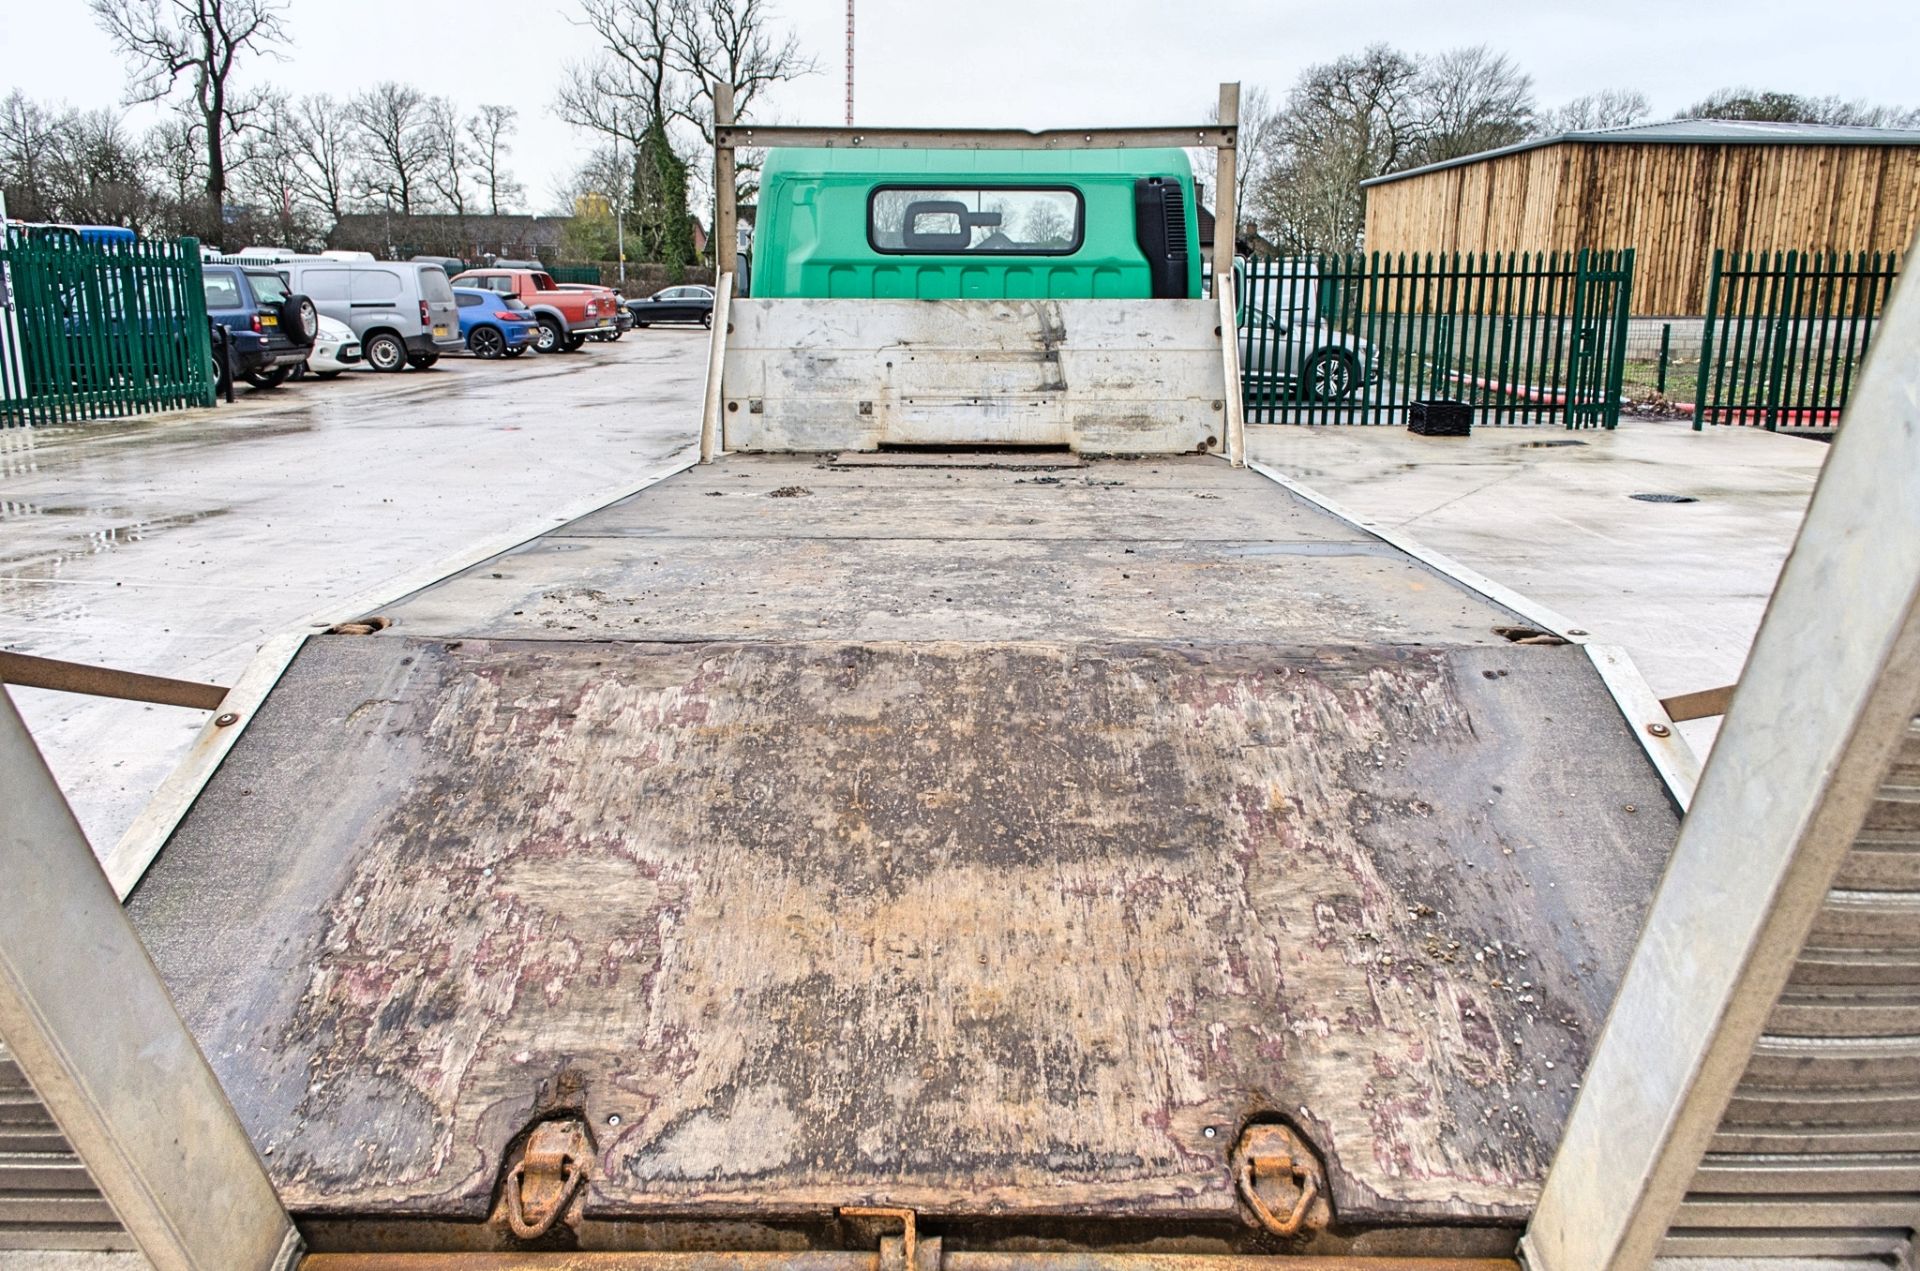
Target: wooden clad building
[(1672, 191)]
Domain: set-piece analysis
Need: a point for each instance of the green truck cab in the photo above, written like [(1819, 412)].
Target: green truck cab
[(912, 224)]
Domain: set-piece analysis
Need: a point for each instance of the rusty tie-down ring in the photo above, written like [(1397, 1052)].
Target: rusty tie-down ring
[(546, 1160), (1252, 1167)]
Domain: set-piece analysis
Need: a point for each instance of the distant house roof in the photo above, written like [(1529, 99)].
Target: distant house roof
[(444, 233), (1693, 132), (1246, 238)]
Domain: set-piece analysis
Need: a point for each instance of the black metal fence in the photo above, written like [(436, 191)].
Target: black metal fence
[(1785, 334), (1522, 338)]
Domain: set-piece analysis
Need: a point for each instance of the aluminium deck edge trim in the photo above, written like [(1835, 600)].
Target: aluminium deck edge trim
[(1472, 579), (127, 862), (1672, 758)]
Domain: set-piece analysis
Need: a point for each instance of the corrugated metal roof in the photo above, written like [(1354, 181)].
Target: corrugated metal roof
[(1693, 132)]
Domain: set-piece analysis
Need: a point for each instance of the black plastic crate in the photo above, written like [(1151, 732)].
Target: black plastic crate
[(1440, 417)]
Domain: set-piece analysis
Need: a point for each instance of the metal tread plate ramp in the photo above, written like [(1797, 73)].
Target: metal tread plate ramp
[(993, 842)]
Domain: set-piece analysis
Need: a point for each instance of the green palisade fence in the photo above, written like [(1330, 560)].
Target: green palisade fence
[(1785, 334), (1522, 337), (97, 330)]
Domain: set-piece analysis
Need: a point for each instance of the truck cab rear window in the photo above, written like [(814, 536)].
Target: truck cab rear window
[(978, 220)]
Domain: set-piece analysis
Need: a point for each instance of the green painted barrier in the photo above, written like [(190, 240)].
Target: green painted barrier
[(1520, 337), (1785, 335), (96, 330)]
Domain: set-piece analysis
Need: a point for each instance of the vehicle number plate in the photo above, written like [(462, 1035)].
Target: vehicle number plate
[(268, 320), (439, 332)]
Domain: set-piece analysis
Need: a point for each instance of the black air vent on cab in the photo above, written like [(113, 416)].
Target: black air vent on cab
[(1160, 227)]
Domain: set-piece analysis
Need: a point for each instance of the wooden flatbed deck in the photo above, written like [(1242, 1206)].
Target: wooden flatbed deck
[(993, 841)]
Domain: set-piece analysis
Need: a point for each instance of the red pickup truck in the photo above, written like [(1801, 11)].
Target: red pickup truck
[(567, 318)]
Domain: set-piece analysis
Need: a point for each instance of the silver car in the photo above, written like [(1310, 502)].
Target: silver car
[(402, 311), (1279, 357)]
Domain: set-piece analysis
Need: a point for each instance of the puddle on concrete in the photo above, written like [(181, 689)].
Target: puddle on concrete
[(20, 447), (22, 509), (17, 447), (48, 556)]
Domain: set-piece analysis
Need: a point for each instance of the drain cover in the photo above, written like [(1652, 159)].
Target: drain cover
[(1664, 498)]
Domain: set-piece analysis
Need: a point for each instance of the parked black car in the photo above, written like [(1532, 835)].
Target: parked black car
[(271, 329), (674, 304)]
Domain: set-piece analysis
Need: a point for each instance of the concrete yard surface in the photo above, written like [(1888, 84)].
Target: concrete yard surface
[(1549, 512)]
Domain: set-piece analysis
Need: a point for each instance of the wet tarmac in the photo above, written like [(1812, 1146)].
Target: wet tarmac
[(173, 544)]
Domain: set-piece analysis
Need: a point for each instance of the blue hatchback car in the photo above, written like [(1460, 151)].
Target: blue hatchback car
[(493, 325)]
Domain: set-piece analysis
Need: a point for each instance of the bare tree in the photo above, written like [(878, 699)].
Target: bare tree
[(1257, 150), (602, 172), (1258, 147), (177, 157), (324, 153), (1048, 223), (268, 160), (732, 41), (1472, 99), (396, 141), (1775, 107), (29, 147), (1608, 108), (1344, 121), (202, 42), (636, 77), (488, 130), (1366, 115), (449, 154), (71, 165), (659, 61), (585, 198)]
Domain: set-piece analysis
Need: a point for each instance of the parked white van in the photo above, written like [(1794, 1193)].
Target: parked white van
[(402, 311)]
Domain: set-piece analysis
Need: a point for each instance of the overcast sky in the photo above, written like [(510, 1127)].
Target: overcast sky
[(1035, 63)]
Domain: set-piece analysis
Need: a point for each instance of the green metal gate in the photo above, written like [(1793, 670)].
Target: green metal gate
[(1597, 355), (96, 330), (1523, 337), (1785, 334)]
